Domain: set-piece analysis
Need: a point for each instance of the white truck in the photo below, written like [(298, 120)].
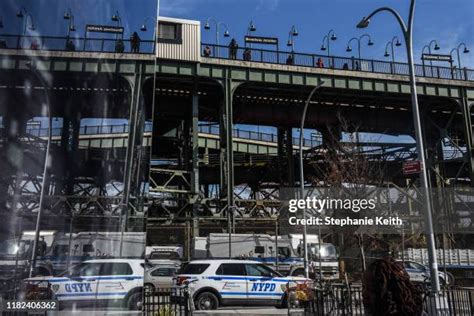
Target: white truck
[(456, 264), (72, 249), (164, 255), (57, 251), (283, 253), (324, 255)]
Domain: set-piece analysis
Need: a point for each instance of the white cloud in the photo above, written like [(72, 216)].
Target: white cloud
[(267, 5), (448, 39), (176, 7)]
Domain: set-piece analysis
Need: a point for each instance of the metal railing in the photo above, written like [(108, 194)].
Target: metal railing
[(335, 62), (123, 46), (79, 44), (259, 136), (167, 301), (40, 131), (342, 299)]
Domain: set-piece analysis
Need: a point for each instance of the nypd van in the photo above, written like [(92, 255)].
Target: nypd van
[(215, 283), (94, 282)]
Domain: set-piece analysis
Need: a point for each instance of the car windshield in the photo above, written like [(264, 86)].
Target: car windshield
[(328, 251), (12, 247)]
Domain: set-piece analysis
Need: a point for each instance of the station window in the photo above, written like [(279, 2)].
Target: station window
[(169, 32)]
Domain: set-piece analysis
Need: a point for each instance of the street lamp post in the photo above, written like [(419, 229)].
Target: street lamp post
[(70, 17), (326, 44), (428, 47), (23, 13), (1, 22), (291, 38), (217, 24), (303, 118), (117, 18), (70, 28), (465, 51), (408, 36), (45, 169), (250, 28), (359, 39), (397, 43), (144, 28)]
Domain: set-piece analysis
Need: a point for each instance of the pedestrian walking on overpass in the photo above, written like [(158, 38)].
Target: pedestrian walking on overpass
[(320, 63), (207, 51), (233, 47), (135, 42)]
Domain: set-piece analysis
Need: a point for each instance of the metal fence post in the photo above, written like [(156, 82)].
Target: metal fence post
[(186, 305)]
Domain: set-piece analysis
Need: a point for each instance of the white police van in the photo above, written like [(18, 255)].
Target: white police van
[(215, 283), (97, 281), (420, 273)]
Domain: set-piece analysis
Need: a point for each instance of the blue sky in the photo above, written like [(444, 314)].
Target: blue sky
[(449, 22)]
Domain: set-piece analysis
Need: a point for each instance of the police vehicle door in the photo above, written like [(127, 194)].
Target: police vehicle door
[(231, 281), (263, 283), (116, 280), (79, 284)]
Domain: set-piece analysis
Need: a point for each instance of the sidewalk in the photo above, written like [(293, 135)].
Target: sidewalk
[(250, 311)]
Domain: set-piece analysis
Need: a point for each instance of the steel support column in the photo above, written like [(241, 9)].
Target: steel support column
[(136, 101), (469, 134), (227, 154), (286, 157), (195, 161), (69, 146)]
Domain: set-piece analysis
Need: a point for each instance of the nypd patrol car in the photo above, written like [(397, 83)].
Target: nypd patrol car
[(215, 283), (97, 281), (420, 273)]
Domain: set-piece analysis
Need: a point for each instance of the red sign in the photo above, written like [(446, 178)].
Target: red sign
[(412, 167)]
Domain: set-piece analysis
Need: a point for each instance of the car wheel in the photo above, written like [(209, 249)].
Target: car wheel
[(149, 287), (207, 301), (284, 302), (135, 301)]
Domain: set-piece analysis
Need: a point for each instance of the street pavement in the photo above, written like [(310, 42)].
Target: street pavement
[(247, 311), (250, 311)]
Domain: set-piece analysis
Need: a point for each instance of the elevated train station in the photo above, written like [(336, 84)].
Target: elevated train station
[(180, 162)]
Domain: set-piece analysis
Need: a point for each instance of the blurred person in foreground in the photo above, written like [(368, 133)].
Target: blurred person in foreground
[(387, 290)]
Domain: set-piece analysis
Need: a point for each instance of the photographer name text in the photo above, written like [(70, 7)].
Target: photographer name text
[(347, 221)]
